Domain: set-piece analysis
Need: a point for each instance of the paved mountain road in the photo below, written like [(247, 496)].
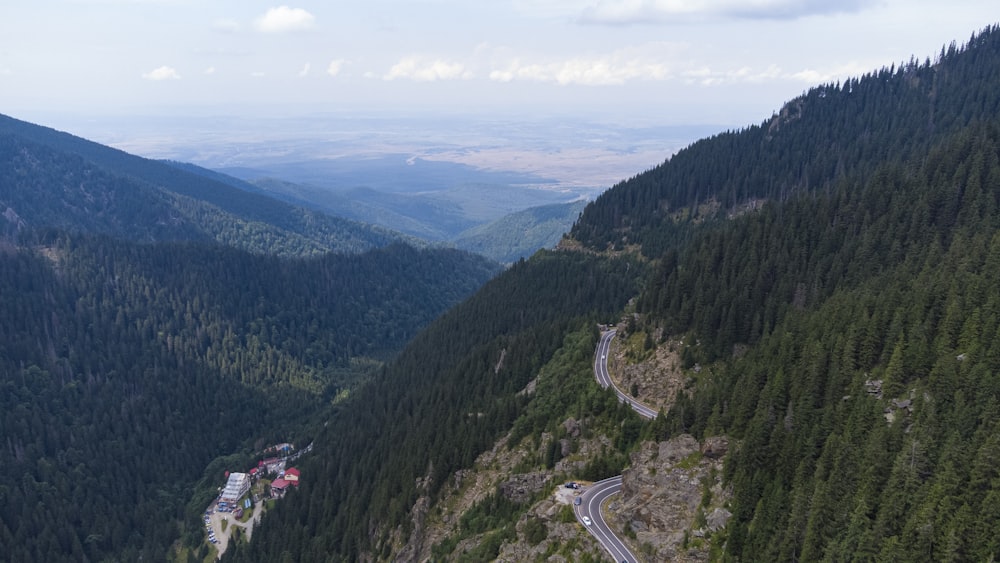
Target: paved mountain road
[(596, 494)]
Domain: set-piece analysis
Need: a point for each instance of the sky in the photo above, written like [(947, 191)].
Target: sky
[(578, 90), (731, 62)]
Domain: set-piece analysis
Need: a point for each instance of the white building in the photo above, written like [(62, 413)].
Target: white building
[(237, 486)]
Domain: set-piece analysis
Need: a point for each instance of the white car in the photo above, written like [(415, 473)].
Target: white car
[(586, 520)]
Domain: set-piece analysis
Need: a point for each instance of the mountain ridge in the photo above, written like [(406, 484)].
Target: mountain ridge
[(187, 205), (777, 335)]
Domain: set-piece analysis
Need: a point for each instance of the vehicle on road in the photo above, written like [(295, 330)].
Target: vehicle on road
[(586, 520), (578, 501)]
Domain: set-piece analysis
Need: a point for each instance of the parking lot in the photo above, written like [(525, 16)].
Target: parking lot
[(213, 520)]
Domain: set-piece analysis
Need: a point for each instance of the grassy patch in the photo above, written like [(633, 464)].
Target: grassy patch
[(689, 462)]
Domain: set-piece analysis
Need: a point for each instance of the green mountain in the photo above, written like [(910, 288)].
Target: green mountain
[(830, 279), (431, 199), (53, 179), (477, 218), (159, 325), (520, 234)]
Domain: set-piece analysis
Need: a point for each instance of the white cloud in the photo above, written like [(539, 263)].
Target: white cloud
[(257, 74), (335, 67), (584, 71), (421, 70), (305, 70), (652, 61), (283, 19), (625, 12), (226, 26), (209, 71), (162, 73), (841, 72)]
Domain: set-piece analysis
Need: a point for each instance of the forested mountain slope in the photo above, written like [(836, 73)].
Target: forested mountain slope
[(867, 409), (834, 131), (520, 234), (53, 179), (449, 396), (834, 274), (126, 368), (852, 330)]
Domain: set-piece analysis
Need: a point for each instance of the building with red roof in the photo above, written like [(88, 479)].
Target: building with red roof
[(278, 487)]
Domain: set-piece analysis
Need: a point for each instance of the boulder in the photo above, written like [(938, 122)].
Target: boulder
[(572, 427), (715, 447), (718, 519)]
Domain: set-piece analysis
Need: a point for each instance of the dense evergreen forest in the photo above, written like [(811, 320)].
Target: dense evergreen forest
[(895, 282), (867, 298), (836, 268), (137, 353), (831, 132), (126, 368), (449, 396)]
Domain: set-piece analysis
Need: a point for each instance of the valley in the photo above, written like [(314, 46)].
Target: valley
[(775, 343)]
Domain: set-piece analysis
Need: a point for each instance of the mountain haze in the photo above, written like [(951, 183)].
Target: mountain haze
[(52, 178)]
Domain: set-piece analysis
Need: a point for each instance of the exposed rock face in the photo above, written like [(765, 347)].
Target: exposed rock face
[(715, 447), (655, 380), (718, 519), (520, 488), (664, 498), (572, 427)]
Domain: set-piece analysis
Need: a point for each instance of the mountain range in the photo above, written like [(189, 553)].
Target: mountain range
[(813, 301)]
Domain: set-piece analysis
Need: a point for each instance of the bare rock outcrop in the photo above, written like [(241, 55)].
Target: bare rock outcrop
[(672, 498), (520, 488)]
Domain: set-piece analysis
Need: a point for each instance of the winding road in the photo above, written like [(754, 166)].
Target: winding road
[(595, 495), (604, 378)]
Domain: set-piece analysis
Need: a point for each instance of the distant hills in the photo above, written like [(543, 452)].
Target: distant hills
[(436, 201), (520, 234), (101, 189), (50, 178)]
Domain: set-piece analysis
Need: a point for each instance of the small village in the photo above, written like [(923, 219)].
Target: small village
[(245, 496)]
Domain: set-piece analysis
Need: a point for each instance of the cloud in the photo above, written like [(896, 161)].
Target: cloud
[(627, 12), (305, 70), (209, 71), (651, 62), (584, 71), (646, 62), (162, 73), (283, 19), (841, 72), (421, 70), (335, 67)]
